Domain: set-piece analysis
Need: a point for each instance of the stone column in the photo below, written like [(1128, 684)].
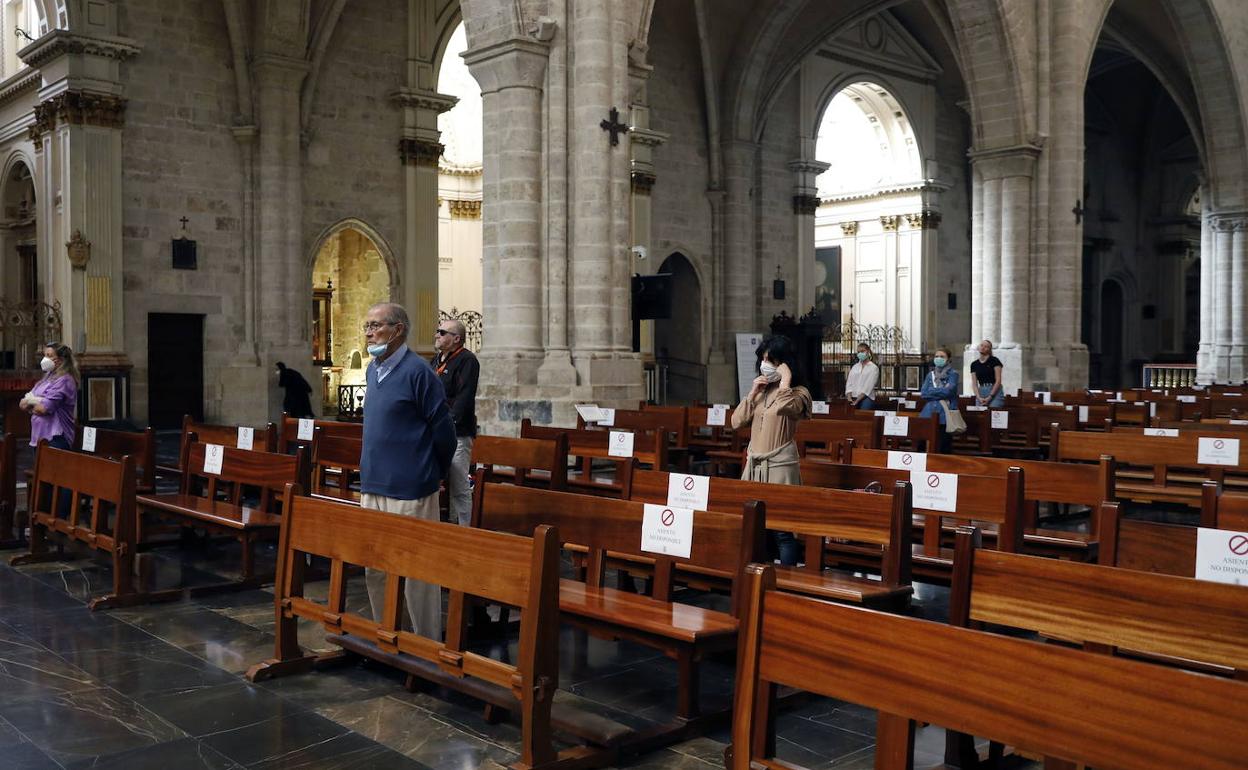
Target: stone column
[(1206, 370), (1015, 260), (642, 178), (1223, 289), (419, 151), (990, 256), (805, 206), (741, 277), (977, 259), (1239, 254)]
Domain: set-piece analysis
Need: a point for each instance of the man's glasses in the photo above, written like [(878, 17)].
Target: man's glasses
[(373, 326), (440, 332)]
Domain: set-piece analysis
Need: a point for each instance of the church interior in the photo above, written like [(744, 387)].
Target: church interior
[(786, 384)]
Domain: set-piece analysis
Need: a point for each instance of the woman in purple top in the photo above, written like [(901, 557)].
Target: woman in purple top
[(52, 403)]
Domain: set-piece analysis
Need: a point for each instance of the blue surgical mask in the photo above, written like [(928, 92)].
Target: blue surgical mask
[(862, 356), (377, 350), (939, 361)]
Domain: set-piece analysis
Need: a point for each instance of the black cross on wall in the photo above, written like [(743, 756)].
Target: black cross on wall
[(613, 125)]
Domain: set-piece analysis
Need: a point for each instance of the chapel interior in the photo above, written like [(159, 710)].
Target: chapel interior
[(617, 202)]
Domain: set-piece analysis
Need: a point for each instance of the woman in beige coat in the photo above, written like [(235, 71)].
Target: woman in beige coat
[(776, 402)]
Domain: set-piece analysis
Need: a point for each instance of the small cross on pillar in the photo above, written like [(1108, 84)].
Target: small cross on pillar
[(184, 220), (614, 126), (1078, 211)]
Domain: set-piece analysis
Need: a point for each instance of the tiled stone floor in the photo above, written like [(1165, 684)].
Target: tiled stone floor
[(160, 686)]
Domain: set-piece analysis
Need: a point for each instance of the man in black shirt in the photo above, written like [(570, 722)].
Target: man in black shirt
[(986, 370), (295, 402), (458, 369)]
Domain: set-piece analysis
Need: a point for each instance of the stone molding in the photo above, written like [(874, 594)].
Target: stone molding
[(849, 228), (26, 80), (805, 205), (1229, 222), (60, 42), (513, 63), (890, 222), (642, 182), (924, 220), (423, 100), (806, 166), (77, 108), (1003, 162), (420, 152), (929, 185), (646, 137), (465, 209), (466, 171)]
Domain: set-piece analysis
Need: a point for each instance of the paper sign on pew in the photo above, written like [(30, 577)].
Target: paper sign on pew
[(819, 407), (716, 416), (88, 439), (1222, 556), (1000, 420), (667, 530), (306, 427), (1162, 432), (606, 416), (907, 461), (884, 413), (686, 490), (1044, 396), (935, 491), (1218, 451), (214, 454), (1238, 422), (1186, 399), (620, 444), (897, 426), (1083, 414), (975, 408), (912, 404), (588, 412), (246, 437)]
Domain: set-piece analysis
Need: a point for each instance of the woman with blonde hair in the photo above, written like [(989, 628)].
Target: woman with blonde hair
[(53, 402)]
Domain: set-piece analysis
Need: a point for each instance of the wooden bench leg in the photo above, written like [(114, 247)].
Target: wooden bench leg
[(249, 557), (38, 549), (894, 742), (687, 697)]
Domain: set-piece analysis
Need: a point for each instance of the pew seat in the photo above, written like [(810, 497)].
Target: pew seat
[(216, 512), (638, 614), (839, 587)]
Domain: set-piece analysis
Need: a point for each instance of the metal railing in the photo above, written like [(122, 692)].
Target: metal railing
[(474, 326), (1168, 375)]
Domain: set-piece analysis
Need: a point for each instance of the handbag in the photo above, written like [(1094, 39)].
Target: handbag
[(953, 419)]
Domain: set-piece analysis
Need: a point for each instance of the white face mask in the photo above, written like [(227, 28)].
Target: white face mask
[(47, 364), (768, 370)]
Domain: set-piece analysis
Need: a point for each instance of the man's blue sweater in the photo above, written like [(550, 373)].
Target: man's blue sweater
[(409, 437)]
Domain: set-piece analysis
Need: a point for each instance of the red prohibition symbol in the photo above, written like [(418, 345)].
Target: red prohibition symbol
[(669, 518), (688, 483), (1218, 444), (1238, 545), (933, 481)]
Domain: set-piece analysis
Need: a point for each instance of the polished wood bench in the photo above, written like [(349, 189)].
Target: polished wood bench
[(524, 461), (76, 497), (724, 542), (335, 466), (827, 439), (1047, 483), (219, 502), (591, 446), (288, 432), (998, 500), (816, 515), (517, 571), (1073, 707), (263, 440)]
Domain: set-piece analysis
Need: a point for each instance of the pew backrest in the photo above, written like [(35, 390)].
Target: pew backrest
[(288, 436), (243, 473), (115, 444), (335, 464), (523, 456), (263, 439)]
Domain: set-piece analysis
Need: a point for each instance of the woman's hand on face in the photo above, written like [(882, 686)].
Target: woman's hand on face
[(786, 375), (760, 384)]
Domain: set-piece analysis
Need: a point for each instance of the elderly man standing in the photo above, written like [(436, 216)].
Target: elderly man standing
[(458, 369), (408, 443)]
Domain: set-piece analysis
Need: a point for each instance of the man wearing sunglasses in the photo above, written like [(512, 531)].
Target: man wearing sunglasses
[(458, 369)]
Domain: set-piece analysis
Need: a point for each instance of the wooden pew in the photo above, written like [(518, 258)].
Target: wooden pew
[(649, 447), (1153, 457), (995, 499), (1170, 549), (12, 528), (815, 514), (730, 462), (215, 501), (827, 439), (721, 542), (670, 422), (1072, 706), (107, 525), (115, 444), (1047, 482), (517, 571), (704, 437), (263, 440), (288, 435), (921, 434), (335, 466), (530, 461)]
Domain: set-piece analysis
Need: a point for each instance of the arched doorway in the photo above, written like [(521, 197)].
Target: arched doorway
[(350, 273), (678, 339), (21, 264), (1112, 303)]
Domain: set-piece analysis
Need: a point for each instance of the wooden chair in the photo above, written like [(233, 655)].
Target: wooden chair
[(335, 466), (1074, 707), (288, 436), (263, 440), (722, 542), (215, 501), (105, 489), (528, 461), (517, 571), (815, 514)]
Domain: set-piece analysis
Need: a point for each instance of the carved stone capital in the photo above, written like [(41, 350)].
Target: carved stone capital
[(420, 152), (890, 222), (80, 108), (849, 228), (465, 209), (924, 220), (642, 182), (60, 42), (805, 205), (423, 100)]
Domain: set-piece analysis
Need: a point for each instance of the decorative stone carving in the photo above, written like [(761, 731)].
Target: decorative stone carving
[(849, 228), (924, 220), (61, 42), (423, 100), (79, 251), (465, 209), (78, 108), (890, 222), (420, 152), (805, 205), (642, 182)]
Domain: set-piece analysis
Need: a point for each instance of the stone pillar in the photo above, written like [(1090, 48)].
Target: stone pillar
[(741, 278), (805, 206), (990, 256), (1206, 368), (1223, 289), (642, 177), (1015, 260), (977, 259), (1239, 254), (419, 151)]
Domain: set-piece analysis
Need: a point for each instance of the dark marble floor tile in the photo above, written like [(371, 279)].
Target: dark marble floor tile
[(84, 580), (346, 752), (143, 669), (23, 594), (810, 743), (78, 631), (13, 642), (18, 753), (202, 711), (40, 674), (80, 726), (418, 734), (223, 641), (184, 754), (343, 684), (274, 738), (460, 711), (669, 759)]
